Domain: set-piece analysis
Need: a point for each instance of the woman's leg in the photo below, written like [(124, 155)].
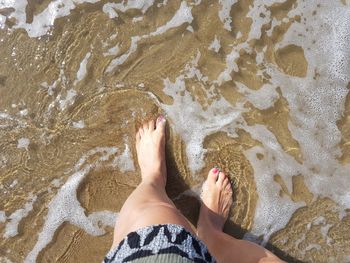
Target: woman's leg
[(217, 199), (149, 204)]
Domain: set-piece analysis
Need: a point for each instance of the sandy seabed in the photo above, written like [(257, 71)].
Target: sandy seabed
[(259, 88)]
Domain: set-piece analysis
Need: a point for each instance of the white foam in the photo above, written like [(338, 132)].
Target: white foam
[(231, 65), (315, 106), (120, 60), (224, 13), (125, 161), (6, 121), (142, 5), (2, 21), (260, 15), (190, 28), (78, 124), (23, 112), (23, 143), (14, 183), (11, 228), (68, 100), (182, 15), (272, 212), (108, 8), (82, 68), (65, 207), (137, 19), (262, 98), (2, 217), (43, 21), (215, 45), (191, 120), (56, 182)]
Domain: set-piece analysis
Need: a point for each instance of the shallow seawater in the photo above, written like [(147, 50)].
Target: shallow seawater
[(260, 88)]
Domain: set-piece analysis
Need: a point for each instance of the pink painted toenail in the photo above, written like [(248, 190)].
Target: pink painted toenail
[(161, 118), (215, 171)]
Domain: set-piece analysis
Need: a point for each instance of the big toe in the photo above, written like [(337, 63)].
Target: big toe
[(213, 176)]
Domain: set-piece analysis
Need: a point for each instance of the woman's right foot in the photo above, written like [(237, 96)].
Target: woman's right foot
[(216, 202)]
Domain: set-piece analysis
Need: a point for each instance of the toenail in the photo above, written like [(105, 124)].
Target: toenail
[(215, 170), (162, 118)]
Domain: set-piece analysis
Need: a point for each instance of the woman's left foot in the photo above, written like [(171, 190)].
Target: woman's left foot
[(216, 203), (150, 148)]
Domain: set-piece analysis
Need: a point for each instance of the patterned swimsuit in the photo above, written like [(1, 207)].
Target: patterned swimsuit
[(160, 243)]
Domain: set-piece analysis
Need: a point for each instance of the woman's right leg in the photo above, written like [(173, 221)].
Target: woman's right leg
[(149, 203), (217, 199)]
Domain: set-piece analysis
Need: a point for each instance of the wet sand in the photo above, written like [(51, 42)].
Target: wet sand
[(258, 102)]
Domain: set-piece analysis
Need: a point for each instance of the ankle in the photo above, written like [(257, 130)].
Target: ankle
[(206, 232), (154, 179)]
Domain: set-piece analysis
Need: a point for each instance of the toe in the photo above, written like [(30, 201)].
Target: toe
[(221, 179), (228, 189), (161, 124), (145, 126), (138, 137), (141, 132), (225, 183), (151, 124), (213, 175)]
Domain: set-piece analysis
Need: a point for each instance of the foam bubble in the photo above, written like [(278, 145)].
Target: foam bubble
[(23, 143), (68, 100), (108, 8), (14, 183), (78, 124), (112, 51), (82, 68), (142, 5), (11, 228), (125, 161), (2, 217), (224, 13), (137, 19), (23, 112), (2, 21), (215, 45)]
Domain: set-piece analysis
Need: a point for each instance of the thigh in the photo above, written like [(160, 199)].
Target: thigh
[(152, 213)]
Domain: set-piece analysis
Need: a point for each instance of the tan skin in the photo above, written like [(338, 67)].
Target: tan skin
[(149, 203)]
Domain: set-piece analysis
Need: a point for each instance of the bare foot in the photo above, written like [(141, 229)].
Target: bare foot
[(216, 202), (150, 148)]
